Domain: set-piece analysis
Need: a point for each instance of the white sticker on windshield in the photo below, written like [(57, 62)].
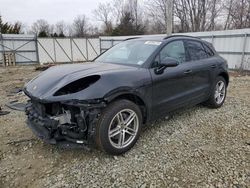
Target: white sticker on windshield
[(140, 62), (153, 43)]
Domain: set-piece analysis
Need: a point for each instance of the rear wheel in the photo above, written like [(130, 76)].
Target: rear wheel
[(219, 92), (119, 127)]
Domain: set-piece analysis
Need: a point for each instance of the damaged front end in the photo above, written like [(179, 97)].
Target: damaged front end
[(68, 124), (66, 100), (61, 110)]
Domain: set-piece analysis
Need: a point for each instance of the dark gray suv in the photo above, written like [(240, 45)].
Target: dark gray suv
[(105, 103)]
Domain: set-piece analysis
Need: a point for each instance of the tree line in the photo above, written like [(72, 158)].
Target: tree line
[(135, 17), (6, 27)]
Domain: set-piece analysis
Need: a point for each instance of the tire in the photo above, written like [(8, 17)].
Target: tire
[(120, 119), (216, 100)]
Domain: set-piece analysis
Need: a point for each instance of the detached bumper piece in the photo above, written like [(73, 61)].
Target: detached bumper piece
[(68, 126)]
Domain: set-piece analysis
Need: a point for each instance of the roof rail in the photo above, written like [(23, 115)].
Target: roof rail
[(180, 36)]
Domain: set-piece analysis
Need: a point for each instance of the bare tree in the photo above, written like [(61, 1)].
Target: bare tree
[(214, 12), (80, 26), (195, 11), (157, 10), (180, 12), (228, 7), (197, 15), (128, 14), (61, 28), (93, 31), (238, 14), (103, 13), (41, 26), (133, 7), (118, 9)]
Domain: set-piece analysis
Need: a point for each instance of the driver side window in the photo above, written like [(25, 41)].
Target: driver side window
[(173, 49)]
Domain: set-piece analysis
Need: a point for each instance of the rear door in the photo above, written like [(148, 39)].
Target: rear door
[(201, 64)]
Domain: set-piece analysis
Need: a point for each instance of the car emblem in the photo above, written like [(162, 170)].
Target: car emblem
[(34, 88)]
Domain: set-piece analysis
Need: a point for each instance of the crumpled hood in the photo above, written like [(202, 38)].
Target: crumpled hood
[(51, 80)]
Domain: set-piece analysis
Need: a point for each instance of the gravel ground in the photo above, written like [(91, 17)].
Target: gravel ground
[(196, 147)]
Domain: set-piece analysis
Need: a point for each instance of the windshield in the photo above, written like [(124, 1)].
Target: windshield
[(134, 52)]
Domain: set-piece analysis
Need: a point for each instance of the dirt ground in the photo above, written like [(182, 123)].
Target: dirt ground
[(196, 147)]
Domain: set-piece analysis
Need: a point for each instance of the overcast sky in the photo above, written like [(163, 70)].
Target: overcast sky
[(28, 11)]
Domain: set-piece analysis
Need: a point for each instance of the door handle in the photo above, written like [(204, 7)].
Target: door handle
[(188, 72), (213, 66)]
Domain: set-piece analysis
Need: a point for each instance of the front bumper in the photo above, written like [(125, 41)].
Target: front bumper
[(44, 134), (52, 131), (41, 132)]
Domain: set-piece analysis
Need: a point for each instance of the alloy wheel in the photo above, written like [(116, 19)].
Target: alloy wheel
[(220, 90), (123, 128)]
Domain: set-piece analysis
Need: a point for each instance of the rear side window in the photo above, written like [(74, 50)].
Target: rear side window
[(195, 50)]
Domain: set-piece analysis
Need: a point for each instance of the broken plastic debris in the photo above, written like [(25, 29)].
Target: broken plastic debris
[(3, 112), (15, 105)]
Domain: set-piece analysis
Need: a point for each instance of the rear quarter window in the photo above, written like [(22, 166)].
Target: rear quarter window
[(209, 51)]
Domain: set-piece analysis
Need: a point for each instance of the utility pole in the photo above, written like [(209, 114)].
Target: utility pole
[(169, 16)]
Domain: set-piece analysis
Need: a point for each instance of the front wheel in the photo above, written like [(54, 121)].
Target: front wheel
[(219, 92), (119, 127)]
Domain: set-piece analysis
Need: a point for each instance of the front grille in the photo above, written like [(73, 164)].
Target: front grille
[(39, 108), (36, 112)]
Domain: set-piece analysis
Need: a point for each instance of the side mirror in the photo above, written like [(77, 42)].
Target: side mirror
[(167, 62)]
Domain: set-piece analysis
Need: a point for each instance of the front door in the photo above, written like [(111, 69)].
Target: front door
[(171, 88)]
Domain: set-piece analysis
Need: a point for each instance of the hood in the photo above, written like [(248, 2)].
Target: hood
[(50, 81)]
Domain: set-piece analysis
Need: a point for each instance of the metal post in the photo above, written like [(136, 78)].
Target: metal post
[(87, 52), (54, 46), (112, 42), (212, 39), (13, 52), (71, 49), (79, 49), (92, 47), (243, 52), (46, 52), (100, 43), (63, 50), (2, 48), (37, 53)]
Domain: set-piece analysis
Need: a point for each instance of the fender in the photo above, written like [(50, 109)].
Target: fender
[(137, 97), (122, 91)]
